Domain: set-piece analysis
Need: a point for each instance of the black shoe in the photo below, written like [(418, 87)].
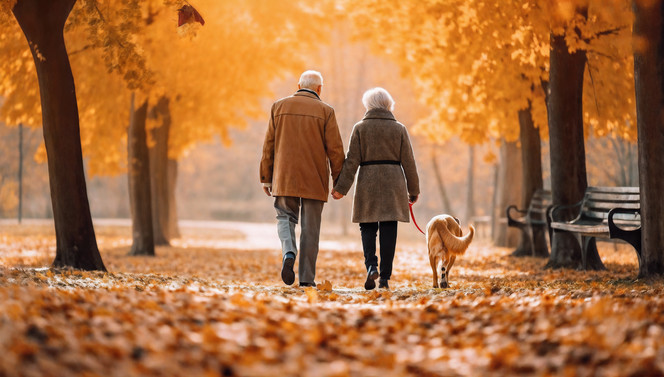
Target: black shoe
[(287, 274), (305, 284), (372, 275), (382, 283)]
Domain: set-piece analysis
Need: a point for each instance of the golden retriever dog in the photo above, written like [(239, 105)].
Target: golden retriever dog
[(445, 241)]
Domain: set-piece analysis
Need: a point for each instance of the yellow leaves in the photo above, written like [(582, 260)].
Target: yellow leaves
[(477, 63), (8, 195), (239, 300), (6, 7), (490, 157), (312, 295), (13, 310), (565, 10), (211, 311), (325, 286)]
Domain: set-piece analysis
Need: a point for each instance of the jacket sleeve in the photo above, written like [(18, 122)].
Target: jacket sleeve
[(267, 160), (408, 164), (353, 159), (334, 147)]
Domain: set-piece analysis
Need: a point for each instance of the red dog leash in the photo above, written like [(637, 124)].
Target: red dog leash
[(413, 217)]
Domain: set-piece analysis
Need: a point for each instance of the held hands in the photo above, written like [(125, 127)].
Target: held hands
[(336, 195), (413, 198)]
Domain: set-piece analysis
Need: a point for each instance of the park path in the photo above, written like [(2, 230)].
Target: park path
[(233, 234), (213, 304)]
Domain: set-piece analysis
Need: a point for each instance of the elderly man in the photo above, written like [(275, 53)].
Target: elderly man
[(302, 138)]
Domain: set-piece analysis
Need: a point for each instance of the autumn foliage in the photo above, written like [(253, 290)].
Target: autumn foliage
[(477, 63), (214, 74), (214, 305)]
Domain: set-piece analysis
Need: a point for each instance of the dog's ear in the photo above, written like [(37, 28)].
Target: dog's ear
[(457, 220)]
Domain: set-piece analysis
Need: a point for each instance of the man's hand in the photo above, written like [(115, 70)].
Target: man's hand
[(267, 190), (336, 195), (413, 198)]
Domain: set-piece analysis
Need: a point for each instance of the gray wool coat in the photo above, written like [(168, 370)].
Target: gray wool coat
[(381, 191)]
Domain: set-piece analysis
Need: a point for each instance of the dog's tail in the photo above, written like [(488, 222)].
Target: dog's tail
[(454, 244)]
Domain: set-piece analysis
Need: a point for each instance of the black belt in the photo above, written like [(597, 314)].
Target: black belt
[(380, 162)]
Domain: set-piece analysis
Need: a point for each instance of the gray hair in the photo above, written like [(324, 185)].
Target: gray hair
[(311, 80), (377, 98)]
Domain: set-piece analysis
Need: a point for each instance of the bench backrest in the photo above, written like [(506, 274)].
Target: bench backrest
[(598, 201), (540, 201)]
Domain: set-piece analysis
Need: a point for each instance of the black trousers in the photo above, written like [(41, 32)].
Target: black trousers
[(388, 242)]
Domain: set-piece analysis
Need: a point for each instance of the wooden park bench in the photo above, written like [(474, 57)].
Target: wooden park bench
[(533, 217), (604, 212)]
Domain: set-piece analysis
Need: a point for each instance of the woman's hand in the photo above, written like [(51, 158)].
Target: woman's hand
[(413, 198), (336, 195)]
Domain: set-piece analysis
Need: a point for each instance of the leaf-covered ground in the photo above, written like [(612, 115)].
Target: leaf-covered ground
[(209, 306)]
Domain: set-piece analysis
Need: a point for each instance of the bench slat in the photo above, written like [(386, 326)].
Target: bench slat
[(610, 205), (594, 213), (609, 189), (540, 207), (613, 197), (598, 230)]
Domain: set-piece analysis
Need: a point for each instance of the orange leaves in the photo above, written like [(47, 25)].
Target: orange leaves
[(477, 63), (211, 310), (6, 7), (312, 295), (325, 286)]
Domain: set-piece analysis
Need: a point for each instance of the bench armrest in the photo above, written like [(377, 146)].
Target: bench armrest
[(511, 221), (614, 211), (554, 210), (514, 208), (633, 236)]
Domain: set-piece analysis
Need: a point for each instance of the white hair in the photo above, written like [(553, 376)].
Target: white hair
[(377, 98), (311, 80)]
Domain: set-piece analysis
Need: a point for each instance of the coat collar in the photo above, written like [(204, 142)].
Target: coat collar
[(307, 93), (379, 114)]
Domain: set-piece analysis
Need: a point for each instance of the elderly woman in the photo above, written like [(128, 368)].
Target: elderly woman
[(387, 180)]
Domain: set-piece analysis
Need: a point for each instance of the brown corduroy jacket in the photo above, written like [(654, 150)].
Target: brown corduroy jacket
[(302, 147)]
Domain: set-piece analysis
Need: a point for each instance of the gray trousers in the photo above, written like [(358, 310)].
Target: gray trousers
[(288, 211)]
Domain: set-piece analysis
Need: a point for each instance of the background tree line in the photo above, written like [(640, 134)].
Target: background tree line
[(509, 75)]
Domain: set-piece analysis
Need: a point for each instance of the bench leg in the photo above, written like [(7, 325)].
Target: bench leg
[(584, 251), (590, 255), (540, 247), (525, 246)]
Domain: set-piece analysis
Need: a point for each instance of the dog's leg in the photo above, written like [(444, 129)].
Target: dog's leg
[(443, 270), (433, 262), (450, 263)]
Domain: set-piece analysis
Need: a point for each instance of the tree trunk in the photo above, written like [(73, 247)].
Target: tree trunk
[(494, 201), (20, 172), (649, 83), (172, 224), (447, 207), (159, 173), (568, 158), (42, 22), (470, 194), (508, 192), (531, 159), (138, 175)]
